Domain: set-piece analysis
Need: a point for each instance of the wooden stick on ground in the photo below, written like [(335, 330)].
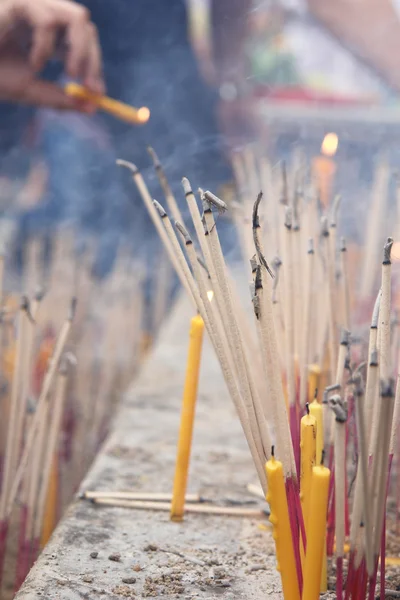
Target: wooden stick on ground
[(204, 509)]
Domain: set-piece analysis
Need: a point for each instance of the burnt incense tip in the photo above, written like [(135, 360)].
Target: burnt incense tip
[(335, 209), (339, 408), (128, 165), (324, 227), (40, 293), (288, 217), (310, 246), (345, 337), (387, 388), (160, 209), (307, 408), (187, 188), (205, 203), (184, 233), (253, 263), (373, 359), (24, 303), (375, 313), (256, 218), (154, 157), (343, 245), (72, 310), (215, 201), (203, 264), (258, 279), (387, 249), (276, 264)]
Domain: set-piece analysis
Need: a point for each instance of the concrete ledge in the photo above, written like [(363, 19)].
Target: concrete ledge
[(224, 557)]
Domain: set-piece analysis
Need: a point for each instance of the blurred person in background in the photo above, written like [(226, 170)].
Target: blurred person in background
[(148, 60)]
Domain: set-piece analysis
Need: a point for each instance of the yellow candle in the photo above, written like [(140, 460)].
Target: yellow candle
[(187, 418), (308, 430), (316, 531), (316, 411), (130, 114), (314, 373), (279, 517)]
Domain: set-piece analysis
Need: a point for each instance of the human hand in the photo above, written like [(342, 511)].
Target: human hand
[(43, 23)]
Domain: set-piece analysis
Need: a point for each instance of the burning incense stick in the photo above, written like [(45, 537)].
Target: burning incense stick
[(134, 116)]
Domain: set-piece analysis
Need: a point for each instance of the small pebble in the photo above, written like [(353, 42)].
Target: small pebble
[(129, 580), (136, 568), (115, 557), (87, 579), (94, 554), (150, 548)]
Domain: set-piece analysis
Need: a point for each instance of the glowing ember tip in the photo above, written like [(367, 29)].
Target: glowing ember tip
[(330, 144), (143, 114), (210, 295)]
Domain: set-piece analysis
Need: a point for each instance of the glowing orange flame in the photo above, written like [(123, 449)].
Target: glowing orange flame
[(395, 254), (143, 114), (330, 144)]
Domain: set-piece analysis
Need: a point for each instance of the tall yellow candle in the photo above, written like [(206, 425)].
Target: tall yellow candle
[(316, 411), (187, 418), (316, 531), (308, 434), (279, 517)]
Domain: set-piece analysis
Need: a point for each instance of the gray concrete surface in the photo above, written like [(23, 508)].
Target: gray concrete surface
[(225, 558)]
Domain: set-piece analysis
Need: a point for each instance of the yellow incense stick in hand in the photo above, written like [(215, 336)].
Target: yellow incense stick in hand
[(130, 114), (187, 418)]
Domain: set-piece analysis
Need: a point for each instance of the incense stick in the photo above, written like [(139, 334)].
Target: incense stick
[(166, 188)]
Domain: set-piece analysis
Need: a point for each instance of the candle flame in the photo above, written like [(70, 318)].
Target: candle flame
[(143, 114), (210, 295), (330, 144), (395, 254)]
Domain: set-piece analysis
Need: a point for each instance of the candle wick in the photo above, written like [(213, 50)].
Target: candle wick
[(316, 393), (307, 408), (273, 451), (322, 457)]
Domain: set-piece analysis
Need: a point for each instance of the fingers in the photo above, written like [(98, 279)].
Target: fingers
[(42, 47), (43, 93), (47, 18), (94, 69)]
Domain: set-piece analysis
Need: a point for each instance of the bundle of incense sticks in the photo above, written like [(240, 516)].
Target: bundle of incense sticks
[(64, 366), (300, 343)]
